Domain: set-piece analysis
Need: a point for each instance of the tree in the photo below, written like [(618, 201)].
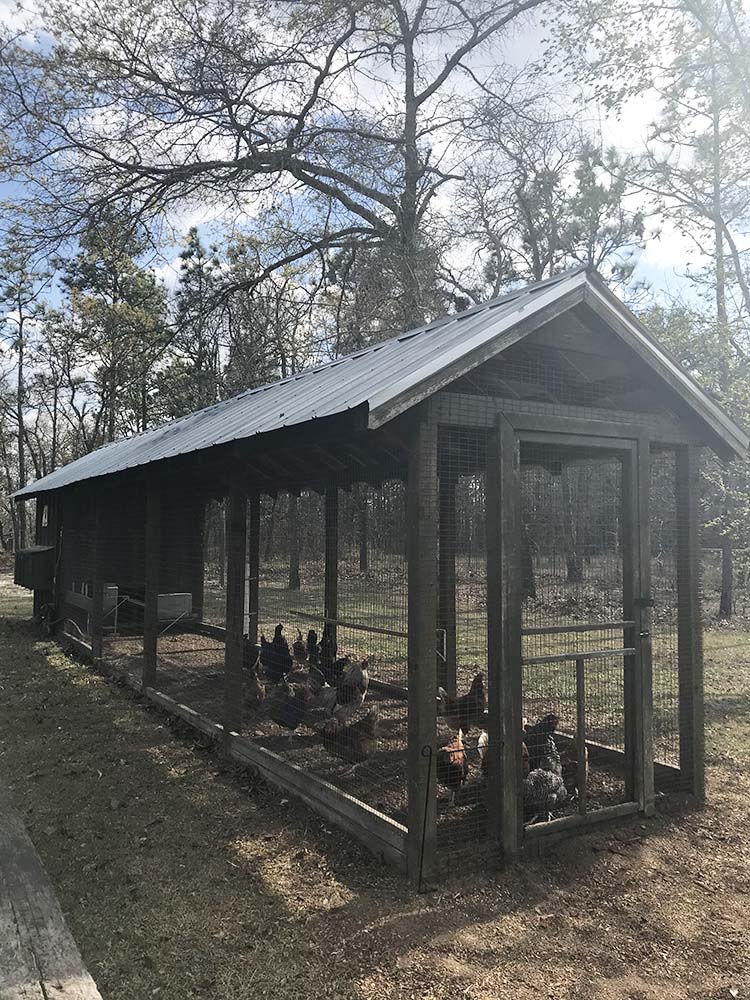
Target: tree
[(540, 198), (114, 328), (346, 113), (694, 165), (21, 288), (193, 377)]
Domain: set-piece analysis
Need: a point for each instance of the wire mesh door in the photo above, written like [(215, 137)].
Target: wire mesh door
[(580, 634)]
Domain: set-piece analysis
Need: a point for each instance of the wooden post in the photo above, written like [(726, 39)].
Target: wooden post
[(56, 537), (503, 531), (236, 537), (690, 623), (41, 597), (630, 594), (253, 566), (97, 583), (644, 681), (151, 596), (581, 733), (421, 554), (195, 542), (447, 579), (331, 585)]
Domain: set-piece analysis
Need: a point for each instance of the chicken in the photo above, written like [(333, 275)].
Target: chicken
[(255, 691), (299, 648), (321, 698), (313, 649), (452, 765), (286, 705), (275, 656), (327, 652), (355, 743), (351, 690), (483, 745), (547, 757), (568, 751), (468, 710), (536, 738), (543, 792)]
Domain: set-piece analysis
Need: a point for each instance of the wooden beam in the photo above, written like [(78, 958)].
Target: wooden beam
[(39, 959), (331, 582), (689, 623), (466, 410), (97, 582), (379, 833), (234, 644), (503, 533), (195, 554), (151, 595), (630, 612), (447, 579), (644, 685), (421, 554), (253, 566)]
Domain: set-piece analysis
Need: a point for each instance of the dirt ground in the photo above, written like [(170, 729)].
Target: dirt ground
[(182, 879)]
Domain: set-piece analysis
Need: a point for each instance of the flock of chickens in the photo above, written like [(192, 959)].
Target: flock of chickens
[(550, 766), (309, 685)]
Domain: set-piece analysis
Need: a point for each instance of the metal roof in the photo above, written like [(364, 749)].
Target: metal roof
[(387, 377)]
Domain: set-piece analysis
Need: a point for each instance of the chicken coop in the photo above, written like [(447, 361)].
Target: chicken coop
[(444, 590)]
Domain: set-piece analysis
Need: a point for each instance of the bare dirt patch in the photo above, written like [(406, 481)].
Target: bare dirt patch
[(183, 879)]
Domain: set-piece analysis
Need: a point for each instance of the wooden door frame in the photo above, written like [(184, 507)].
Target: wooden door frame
[(510, 430)]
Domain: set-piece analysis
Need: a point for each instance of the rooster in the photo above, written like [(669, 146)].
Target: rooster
[(452, 765), (351, 689), (467, 711), (355, 743), (275, 656)]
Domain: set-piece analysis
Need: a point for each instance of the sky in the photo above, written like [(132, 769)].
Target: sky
[(662, 264)]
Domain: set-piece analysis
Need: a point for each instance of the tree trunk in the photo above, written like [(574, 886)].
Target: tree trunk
[(222, 544), (268, 547), (573, 560), (20, 391), (294, 577), (722, 319), (726, 603), (362, 529), (412, 309)]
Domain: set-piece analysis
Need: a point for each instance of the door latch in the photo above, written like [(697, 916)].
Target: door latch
[(644, 602)]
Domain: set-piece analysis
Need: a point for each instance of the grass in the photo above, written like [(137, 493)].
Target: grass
[(182, 879)]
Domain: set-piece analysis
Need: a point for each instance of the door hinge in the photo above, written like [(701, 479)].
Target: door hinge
[(644, 602)]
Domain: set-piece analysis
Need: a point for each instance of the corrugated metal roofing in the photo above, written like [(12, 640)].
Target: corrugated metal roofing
[(375, 376)]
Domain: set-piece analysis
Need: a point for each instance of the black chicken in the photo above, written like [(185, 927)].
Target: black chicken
[(328, 653), (468, 710), (538, 738), (286, 706), (313, 649), (275, 656)]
